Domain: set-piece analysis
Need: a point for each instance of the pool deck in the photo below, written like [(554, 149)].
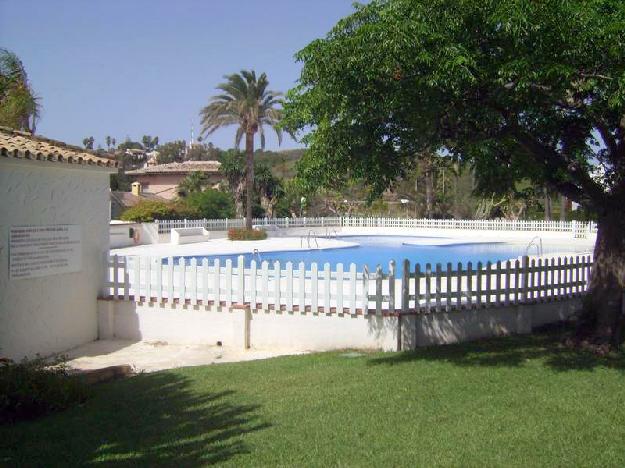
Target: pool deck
[(151, 356), (228, 247), (277, 244)]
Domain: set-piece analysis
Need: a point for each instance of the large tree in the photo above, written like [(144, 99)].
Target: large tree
[(19, 106), (534, 86), (246, 102)]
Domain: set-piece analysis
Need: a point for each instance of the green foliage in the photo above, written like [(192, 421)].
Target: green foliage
[(244, 234), (281, 163), (197, 205), (519, 87), (88, 142), (203, 152), (149, 143), (19, 106), (129, 144), (193, 182), (172, 151), (146, 211), (245, 101), (34, 387), (210, 204)]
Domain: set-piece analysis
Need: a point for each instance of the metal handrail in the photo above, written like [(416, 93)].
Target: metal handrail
[(314, 237), (538, 245)]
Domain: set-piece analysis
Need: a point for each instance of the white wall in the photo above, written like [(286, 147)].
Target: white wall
[(119, 234), (188, 324), (52, 313)]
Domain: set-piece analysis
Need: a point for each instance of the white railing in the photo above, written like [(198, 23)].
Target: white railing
[(345, 290), (579, 229)]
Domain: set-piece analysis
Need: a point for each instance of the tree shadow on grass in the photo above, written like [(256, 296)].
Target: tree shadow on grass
[(148, 420), (513, 351)]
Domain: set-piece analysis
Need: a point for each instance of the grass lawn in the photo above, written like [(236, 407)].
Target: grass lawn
[(521, 401)]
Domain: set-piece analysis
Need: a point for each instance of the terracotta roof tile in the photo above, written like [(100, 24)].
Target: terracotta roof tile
[(23, 145)]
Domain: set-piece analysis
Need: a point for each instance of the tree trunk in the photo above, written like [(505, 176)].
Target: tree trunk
[(249, 171), (548, 211), (563, 204), (238, 199), (603, 317), (429, 188)]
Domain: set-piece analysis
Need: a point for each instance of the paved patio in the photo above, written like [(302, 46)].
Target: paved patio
[(145, 356)]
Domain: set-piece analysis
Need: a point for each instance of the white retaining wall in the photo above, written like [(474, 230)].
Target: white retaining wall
[(239, 328)]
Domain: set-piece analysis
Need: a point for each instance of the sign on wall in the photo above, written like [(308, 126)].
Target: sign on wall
[(36, 251)]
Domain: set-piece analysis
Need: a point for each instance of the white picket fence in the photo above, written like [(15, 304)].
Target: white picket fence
[(345, 290), (577, 228)]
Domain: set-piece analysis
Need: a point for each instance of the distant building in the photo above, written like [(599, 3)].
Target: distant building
[(163, 179), (121, 201)]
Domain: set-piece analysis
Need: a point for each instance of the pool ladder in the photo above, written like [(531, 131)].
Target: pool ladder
[(309, 237), (536, 242), (256, 256)]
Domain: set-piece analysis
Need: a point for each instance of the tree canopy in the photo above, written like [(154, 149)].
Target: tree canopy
[(534, 87), (526, 88), (19, 106)]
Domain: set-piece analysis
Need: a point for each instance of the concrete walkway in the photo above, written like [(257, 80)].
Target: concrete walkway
[(145, 356), (228, 247)]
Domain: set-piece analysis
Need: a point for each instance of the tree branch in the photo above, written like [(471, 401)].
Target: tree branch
[(585, 191), (608, 139)]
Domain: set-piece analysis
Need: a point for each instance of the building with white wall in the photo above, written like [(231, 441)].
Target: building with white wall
[(54, 235)]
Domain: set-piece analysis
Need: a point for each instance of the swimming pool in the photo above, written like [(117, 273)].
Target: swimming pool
[(379, 250)]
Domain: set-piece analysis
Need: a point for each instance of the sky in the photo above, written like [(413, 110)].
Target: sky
[(128, 68)]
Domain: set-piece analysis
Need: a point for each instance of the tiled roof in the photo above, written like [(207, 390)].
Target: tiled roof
[(23, 145), (128, 199), (179, 168)]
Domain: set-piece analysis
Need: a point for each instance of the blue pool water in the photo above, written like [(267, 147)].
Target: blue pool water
[(379, 250)]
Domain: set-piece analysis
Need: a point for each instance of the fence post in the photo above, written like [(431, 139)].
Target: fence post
[(314, 291), (405, 286), (194, 290), (301, 290), (352, 288), (365, 290), (289, 286), (525, 279), (241, 280), (378, 290), (115, 277), (391, 286)]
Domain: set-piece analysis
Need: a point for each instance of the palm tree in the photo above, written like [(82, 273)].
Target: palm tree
[(19, 106), (248, 103)]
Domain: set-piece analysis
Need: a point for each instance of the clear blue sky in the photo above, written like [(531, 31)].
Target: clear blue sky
[(135, 67)]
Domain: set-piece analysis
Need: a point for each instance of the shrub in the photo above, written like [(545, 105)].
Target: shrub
[(246, 234), (147, 211), (210, 204), (35, 387)]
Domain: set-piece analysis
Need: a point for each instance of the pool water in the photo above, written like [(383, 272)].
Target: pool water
[(379, 250)]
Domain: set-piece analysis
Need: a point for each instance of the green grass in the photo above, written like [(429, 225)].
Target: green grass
[(521, 401)]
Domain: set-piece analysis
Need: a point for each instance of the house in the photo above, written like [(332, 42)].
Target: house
[(163, 179), (121, 201), (54, 236)]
